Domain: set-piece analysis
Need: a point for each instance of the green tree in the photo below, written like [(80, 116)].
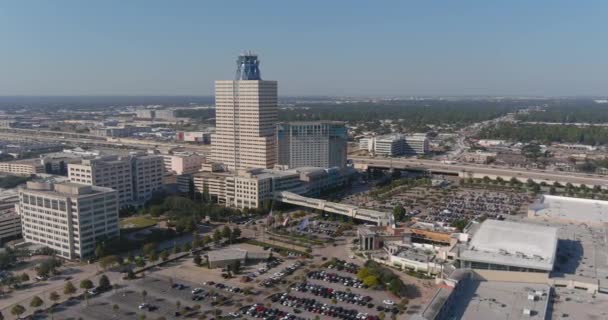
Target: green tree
[(36, 302), (25, 277), (54, 296), (69, 289), (144, 294), (17, 310), (108, 261), (370, 281), (236, 234), (139, 262), (164, 255), (104, 282), (86, 284), (399, 212), (187, 247), (217, 236), (100, 251), (226, 232)]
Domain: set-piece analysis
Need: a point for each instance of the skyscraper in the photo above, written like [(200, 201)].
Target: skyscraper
[(246, 115), (312, 144)]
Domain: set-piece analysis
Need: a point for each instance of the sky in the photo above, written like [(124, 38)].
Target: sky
[(312, 47)]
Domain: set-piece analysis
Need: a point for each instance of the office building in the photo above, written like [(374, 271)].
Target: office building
[(148, 171), (118, 132), (164, 114), (193, 136), (134, 177), (145, 113), (312, 144), (183, 163), (69, 218), (10, 226), (246, 116), (250, 188), (396, 145), (24, 167)]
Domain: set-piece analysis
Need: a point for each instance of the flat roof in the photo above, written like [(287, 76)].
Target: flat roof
[(572, 209), (513, 243), (499, 300)]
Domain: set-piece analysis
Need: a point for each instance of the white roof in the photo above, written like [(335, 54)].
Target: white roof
[(574, 209), (513, 243)]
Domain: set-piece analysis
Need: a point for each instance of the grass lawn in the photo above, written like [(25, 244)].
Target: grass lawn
[(136, 223)]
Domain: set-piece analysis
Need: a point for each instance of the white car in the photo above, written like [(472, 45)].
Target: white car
[(388, 302), (144, 306)]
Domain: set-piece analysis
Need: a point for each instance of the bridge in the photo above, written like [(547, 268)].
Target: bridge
[(470, 170), (373, 216)]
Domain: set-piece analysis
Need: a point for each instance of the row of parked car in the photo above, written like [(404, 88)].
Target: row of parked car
[(342, 265), (314, 306), (258, 310), (329, 293), (278, 276), (335, 278)]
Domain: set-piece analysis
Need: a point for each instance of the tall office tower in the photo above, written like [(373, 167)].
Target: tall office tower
[(108, 171), (245, 118), (69, 218), (312, 144)]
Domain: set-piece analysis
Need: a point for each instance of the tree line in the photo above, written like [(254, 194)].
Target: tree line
[(520, 132)]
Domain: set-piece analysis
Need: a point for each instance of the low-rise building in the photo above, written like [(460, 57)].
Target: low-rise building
[(118, 132), (396, 144), (23, 167), (230, 257), (183, 163)]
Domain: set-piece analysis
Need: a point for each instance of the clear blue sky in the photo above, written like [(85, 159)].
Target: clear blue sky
[(311, 47)]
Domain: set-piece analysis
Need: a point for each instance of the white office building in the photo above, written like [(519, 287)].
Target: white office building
[(69, 218), (396, 145), (135, 177)]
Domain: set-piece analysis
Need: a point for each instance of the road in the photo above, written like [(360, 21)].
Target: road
[(481, 170), (84, 139)]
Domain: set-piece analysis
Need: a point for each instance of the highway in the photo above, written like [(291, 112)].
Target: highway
[(90, 140), (478, 171)]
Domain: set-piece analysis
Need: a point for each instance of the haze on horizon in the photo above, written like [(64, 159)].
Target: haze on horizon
[(338, 48)]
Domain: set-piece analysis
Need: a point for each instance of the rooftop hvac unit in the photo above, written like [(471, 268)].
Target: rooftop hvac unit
[(531, 297), (528, 312)]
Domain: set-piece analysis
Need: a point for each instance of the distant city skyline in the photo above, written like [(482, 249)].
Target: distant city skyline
[(313, 48)]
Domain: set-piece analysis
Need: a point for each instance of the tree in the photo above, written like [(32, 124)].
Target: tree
[(100, 251), (164, 255), (140, 263), (207, 240), (399, 212), (69, 289), (86, 284), (144, 294), (108, 261), (205, 197), (460, 224), (370, 281), (187, 247), (17, 310), (153, 257), (54, 296), (226, 232), (24, 277), (197, 259), (36, 302), (236, 234), (115, 308), (149, 248), (104, 282), (178, 304), (130, 274), (217, 236), (191, 189), (363, 273)]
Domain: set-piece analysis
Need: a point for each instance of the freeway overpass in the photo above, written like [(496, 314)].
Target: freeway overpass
[(87, 139), (480, 171), (373, 216)]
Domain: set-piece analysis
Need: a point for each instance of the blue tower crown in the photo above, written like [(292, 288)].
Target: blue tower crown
[(248, 67)]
